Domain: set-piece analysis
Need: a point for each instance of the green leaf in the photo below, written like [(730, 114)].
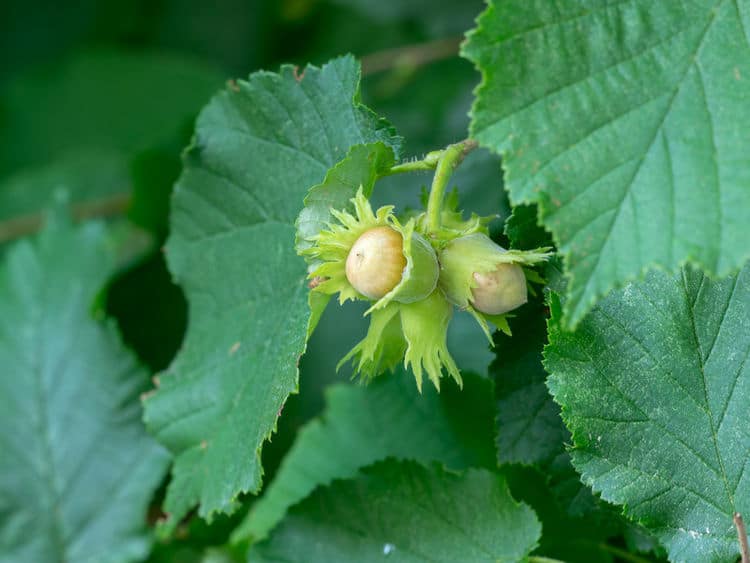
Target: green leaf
[(258, 147), (89, 176), (627, 123), (529, 427), (531, 432), (364, 424), (567, 536), (405, 512), (77, 470), (361, 168), (654, 387)]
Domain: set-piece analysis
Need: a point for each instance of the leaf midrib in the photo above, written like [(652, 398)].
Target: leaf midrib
[(714, 437), (580, 306), (38, 319)]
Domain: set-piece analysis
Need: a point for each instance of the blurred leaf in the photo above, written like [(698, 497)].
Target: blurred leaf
[(364, 424), (259, 146), (104, 100), (33, 32), (638, 540), (78, 469), (405, 512), (566, 537), (90, 176), (654, 386), (529, 427), (428, 104), (627, 124), (316, 31), (234, 34), (437, 19)]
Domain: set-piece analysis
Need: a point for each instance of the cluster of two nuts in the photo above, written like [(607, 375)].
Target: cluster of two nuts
[(376, 263)]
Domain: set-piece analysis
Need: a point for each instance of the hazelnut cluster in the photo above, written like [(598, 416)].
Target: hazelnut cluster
[(413, 279)]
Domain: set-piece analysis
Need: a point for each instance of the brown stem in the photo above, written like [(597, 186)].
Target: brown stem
[(742, 535), (411, 55), (115, 204)]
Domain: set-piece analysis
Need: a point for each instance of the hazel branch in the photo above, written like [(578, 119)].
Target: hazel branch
[(411, 56)]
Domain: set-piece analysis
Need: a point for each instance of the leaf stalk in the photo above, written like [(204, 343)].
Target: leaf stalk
[(450, 158), (742, 535)]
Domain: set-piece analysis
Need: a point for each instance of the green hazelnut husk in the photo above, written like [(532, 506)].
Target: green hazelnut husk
[(372, 256), (476, 272)]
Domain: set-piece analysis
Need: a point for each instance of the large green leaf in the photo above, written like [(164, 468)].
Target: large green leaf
[(405, 512), (654, 386), (77, 468), (364, 424), (627, 122), (258, 147)]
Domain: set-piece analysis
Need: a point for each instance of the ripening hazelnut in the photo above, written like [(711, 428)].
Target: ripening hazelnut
[(499, 291), (376, 262), (473, 272)]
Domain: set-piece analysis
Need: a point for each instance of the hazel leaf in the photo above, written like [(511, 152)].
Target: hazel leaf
[(365, 423), (77, 469), (627, 124), (654, 386), (360, 169), (258, 147), (402, 511)]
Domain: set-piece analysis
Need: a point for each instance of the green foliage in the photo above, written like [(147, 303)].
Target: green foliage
[(406, 512), (529, 429), (78, 469), (627, 124), (653, 386), (86, 174), (365, 424), (615, 413), (361, 167), (259, 146)]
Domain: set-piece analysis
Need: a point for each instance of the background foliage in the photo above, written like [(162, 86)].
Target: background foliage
[(171, 329)]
